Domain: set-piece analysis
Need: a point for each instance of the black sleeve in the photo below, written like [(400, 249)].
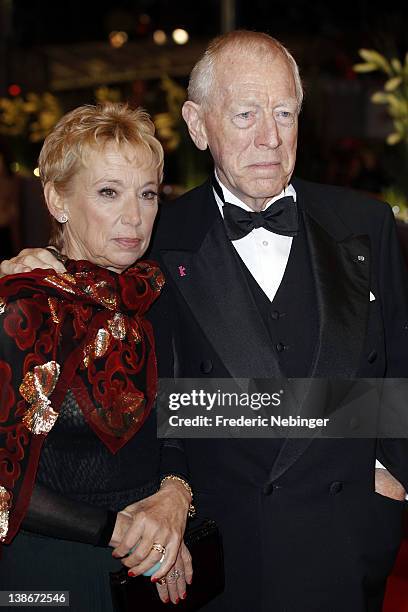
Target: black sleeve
[(173, 459), (163, 318), (57, 516), (393, 452)]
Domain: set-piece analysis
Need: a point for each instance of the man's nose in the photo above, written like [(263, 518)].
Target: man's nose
[(268, 133), (131, 214)]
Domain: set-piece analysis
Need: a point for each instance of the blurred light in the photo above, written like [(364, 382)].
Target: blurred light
[(15, 166), (14, 90), (180, 36), (159, 37), (144, 19), (167, 189), (36, 172), (118, 39), (395, 210)]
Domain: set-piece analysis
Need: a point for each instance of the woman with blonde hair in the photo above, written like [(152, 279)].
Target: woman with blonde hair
[(80, 465)]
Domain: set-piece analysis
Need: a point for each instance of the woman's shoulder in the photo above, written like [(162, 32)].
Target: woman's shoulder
[(29, 287), (24, 311)]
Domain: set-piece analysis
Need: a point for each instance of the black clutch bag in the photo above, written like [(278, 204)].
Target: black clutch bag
[(203, 540)]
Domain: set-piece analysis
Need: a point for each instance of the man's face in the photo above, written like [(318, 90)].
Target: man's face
[(250, 124)]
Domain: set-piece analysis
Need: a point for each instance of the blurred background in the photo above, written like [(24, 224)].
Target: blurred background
[(55, 56)]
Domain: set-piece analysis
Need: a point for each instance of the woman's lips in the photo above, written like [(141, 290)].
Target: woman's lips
[(128, 243)]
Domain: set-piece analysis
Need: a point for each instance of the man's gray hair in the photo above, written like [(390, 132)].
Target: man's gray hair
[(242, 42)]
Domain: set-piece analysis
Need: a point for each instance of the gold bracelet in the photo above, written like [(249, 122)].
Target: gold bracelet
[(191, 508)]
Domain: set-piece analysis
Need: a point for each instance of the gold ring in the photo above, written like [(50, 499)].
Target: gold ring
[(161, 549), (162, 581)]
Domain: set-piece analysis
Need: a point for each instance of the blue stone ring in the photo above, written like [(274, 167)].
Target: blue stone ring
[(161, 549)]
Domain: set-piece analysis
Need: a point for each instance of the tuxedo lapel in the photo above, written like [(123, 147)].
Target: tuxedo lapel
[(341, 272), (215, 289), (340, 264)]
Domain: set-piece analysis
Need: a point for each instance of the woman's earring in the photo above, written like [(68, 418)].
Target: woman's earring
[(63, 218)]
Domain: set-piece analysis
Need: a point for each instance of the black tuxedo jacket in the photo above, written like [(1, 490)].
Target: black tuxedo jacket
[(333, 539)]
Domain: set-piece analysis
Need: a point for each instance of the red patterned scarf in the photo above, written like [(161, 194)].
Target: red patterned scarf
[(85, 331)]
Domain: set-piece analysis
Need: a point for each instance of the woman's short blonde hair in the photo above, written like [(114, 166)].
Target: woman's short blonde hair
[(93, 127)]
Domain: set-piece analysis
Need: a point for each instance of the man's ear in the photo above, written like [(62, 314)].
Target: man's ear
[(193, 116), (54, 201)]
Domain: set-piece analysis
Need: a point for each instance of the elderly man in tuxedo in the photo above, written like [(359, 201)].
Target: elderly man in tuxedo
[(269, 275)]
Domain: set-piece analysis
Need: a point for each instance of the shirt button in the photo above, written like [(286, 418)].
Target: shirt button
[(280, 347), (265, 243)]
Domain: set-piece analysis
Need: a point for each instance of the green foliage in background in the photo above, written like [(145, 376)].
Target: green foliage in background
[(394, 93), (394, 96)]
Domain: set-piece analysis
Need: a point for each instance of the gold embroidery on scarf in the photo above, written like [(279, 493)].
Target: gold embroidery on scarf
[(36, 387), (2, 306), (158, 281), (4, 512), (98, 347), (53, 305), (132, 404), (62, 281), (117, 326), (102, 293), (101, 342), (135, 332)]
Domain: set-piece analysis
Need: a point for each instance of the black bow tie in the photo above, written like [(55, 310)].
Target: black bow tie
[(280, 218)]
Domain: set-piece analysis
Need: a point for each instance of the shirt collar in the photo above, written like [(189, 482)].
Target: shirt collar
[(232, 199)]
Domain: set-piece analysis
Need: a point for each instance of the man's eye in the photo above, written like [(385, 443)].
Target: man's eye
[(149, 195), (285, 118), (108, 192), (245, 115)]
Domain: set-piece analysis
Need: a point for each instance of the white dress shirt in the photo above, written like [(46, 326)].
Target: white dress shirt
[(264, 253)]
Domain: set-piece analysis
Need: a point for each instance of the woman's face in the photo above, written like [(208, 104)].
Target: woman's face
[(111, 204)]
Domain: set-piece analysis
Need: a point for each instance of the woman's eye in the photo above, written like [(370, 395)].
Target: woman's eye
[(245, 115), (149, 195), (108, 192)]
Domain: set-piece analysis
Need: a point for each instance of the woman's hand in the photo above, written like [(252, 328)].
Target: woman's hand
[(122, 526), (29, 259), (158, 519), (173, 585)]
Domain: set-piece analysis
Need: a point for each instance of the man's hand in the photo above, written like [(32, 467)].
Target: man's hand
[(388, 486), (29, 259)]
